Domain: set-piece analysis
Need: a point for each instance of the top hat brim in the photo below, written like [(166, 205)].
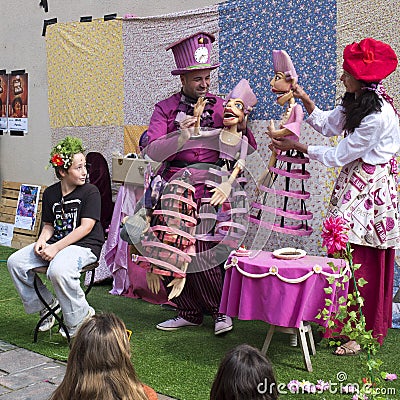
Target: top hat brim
[(182, 71)]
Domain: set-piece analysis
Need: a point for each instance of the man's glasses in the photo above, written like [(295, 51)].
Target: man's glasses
[(129, 334)]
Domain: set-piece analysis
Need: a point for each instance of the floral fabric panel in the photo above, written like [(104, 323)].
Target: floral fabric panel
[(85, 73), (251, 29), (148, 66)]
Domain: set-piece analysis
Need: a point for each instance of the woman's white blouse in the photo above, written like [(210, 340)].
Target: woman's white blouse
[(375, 141)]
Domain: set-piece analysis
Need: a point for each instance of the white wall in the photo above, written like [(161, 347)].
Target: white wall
[(23, 159)]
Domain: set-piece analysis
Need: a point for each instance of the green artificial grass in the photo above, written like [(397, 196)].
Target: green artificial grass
[(182, 364)]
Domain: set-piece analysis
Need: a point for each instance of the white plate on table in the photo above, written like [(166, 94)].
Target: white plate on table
[(289, 253)]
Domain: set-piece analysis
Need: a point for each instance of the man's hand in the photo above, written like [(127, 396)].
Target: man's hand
[(199, 106), (197, 112), (242, 125), (186, 127), (271, 129)]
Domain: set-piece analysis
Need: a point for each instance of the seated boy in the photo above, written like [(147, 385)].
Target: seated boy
[(71, 238)]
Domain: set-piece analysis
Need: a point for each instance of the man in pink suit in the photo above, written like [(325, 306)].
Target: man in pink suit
[(202, 289)]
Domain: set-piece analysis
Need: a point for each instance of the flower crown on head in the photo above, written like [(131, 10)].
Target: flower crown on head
[(63, 152)]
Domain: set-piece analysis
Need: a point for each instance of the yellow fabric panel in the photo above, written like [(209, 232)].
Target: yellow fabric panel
[(85, 73), (132, 135)]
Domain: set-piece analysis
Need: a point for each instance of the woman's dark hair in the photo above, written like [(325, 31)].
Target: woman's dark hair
[(244, 373), (356, 108)]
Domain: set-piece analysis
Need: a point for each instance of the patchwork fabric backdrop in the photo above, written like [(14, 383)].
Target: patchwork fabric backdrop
[(105, 77)]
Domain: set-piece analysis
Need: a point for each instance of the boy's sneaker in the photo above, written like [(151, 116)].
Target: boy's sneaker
[(223, 324), (48, 323), (175, 323), (74, 329)]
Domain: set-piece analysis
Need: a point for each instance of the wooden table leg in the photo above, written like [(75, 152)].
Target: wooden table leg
[(310, 338), (268, 339), (304, 347)]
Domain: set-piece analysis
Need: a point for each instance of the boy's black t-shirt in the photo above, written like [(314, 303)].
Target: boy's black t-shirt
[(65, 213)]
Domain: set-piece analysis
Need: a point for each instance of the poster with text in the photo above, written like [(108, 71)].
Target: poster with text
[(18, 102), (3, 100), (27, 206), (6, 234)]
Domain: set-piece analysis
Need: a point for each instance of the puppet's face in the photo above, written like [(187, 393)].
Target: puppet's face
[(281, 87), (233, 112)]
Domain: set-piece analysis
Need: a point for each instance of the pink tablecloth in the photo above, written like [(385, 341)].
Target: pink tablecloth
[(291, 292)]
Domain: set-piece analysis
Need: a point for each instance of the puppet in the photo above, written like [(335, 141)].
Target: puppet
[(282, 84), (232, 143), (168, 246)]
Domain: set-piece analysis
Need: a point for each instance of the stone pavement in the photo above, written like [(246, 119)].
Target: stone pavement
[(25, 375)]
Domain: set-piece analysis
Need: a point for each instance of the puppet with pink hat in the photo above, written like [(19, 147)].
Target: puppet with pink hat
[(282, 84), (232, 143), (286, 172)]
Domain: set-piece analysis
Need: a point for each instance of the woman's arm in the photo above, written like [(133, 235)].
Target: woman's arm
[(300, 93)]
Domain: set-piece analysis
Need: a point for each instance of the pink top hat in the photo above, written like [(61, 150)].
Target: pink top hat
[(283, 63), (243, 91), (193, 53)]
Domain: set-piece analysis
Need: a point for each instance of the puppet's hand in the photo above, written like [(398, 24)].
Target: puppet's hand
[(266, 179), (221, 193), (153, 282), (271, 131), (240, 164), (197, 112), (199, 106), (177, 285)]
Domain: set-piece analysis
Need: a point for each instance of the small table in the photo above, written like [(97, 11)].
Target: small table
[(283, 293)]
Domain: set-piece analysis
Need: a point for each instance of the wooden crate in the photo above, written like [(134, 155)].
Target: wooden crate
[(8, 208)]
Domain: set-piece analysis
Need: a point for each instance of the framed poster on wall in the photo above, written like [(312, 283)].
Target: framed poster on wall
[(18, 102), (26, 212)]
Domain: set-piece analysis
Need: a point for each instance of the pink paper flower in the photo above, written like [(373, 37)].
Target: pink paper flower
[(390, 377), (334, 234), (293, 386)]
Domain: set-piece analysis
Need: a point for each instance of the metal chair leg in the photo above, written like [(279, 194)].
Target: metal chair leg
[(51, 311), (89, 268)]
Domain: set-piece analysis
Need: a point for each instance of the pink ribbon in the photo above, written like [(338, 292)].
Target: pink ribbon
[(380, 90)]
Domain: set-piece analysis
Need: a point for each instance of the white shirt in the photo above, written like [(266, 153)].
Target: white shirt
[(375, 141)]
